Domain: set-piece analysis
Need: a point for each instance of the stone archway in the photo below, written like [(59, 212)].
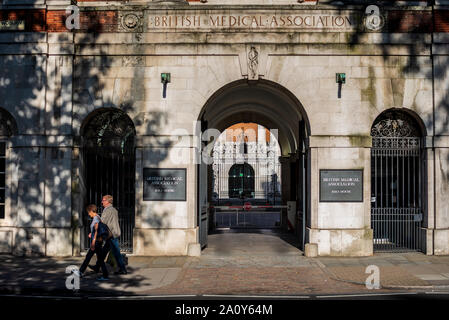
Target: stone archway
[(277, 109)]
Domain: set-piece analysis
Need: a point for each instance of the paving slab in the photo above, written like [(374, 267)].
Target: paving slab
[(390, 276)]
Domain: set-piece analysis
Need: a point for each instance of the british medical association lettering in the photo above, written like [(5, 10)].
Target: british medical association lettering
[(248, 21), (164, 184)]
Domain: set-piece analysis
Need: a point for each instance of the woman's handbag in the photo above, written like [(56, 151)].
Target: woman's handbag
[(103, 232)]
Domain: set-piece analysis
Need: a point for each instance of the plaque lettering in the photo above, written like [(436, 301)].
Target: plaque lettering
[(341, 185)]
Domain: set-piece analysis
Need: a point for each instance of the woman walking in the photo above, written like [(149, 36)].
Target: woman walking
[(96, 244)]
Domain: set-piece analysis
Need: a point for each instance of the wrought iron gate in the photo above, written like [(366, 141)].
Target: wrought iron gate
[(109, 168), (396, 184), (258, 182)]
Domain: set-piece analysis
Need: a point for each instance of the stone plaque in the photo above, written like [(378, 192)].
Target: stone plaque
[(164, 184), (8, 25), (341, 185)]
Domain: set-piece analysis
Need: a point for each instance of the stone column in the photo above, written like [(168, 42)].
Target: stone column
[(438, 160), (340, 228), (165, 227), (441, 211)]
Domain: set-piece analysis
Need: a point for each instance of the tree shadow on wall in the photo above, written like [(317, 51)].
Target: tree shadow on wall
[(415, 71), (49, 97)]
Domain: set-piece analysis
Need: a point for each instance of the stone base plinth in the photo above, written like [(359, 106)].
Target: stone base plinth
[(342, 242), (51, 242), (163, 242), (441, 242), (311, 250)]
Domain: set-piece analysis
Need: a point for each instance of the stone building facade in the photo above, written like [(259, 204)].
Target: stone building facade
[(352, 89)]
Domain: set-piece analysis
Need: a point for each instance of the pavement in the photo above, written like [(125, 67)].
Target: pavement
[(235, 264)]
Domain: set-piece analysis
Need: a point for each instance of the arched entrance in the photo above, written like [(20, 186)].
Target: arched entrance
[(397, 182), (272, 106), (109, 168)]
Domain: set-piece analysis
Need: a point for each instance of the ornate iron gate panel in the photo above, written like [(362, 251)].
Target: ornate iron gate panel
[(396, 186), (109, 168), (261, 186), (108, 173)]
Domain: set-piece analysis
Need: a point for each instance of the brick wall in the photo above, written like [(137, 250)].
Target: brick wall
[(90, 21), (442, 21), (409, 21)]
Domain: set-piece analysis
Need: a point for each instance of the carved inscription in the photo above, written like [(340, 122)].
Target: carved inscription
[(242, 21)]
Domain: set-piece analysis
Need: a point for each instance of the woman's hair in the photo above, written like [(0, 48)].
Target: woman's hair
[(91, 207)]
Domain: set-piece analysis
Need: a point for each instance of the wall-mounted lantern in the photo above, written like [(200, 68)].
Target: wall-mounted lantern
[(340, 78), (165, 78)]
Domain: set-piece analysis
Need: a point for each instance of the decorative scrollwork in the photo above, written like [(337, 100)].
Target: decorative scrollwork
[(395, 124), (111, 129), (405, 143)]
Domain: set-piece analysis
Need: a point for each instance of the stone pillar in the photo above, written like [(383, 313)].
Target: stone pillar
[(165, 228), (340, 228), (429, 218), (441, 211)]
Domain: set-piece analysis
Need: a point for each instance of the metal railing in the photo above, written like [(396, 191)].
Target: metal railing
[(126, 222), (397, 190), (397, 230), (247, 216)]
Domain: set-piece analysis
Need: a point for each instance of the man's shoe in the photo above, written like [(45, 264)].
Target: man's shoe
[(121, 272), (94, 268), (102, 278)]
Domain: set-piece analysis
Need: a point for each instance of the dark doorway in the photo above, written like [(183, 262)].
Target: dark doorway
[(109, 168), (397, 188), (241, 181)]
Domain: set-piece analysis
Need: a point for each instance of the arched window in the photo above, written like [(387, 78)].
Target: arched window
[(241, 181), (7, 129)]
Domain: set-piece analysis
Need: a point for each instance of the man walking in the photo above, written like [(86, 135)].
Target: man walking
[(110, 218)]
